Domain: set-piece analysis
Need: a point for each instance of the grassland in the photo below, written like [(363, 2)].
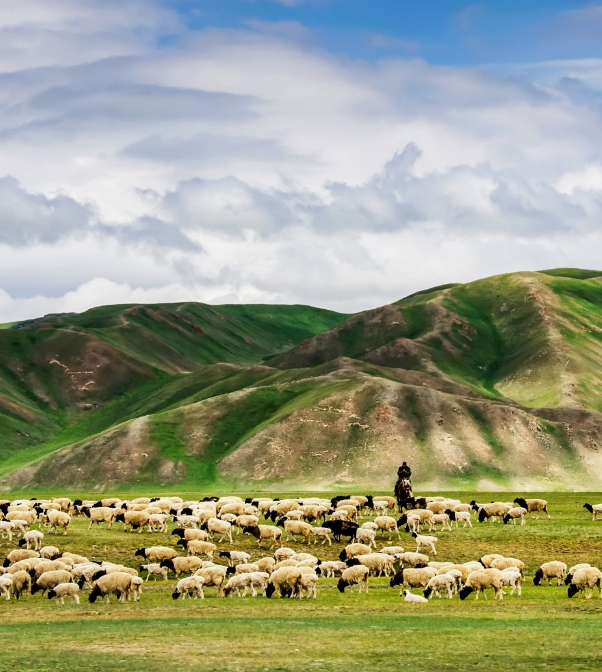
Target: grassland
[(542, 630)]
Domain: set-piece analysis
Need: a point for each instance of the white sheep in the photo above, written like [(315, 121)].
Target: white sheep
[(155, 570), (516, 513), (354, 576), (511, 578), (241, 583), (323, 533), (438, 583), (32, 538), (63, 590), (551, 570), (6, 582), (423, 540), (480, 581), (584, 581), (331, 568), (365, 536), (191, 586), (594, 509), (413, 599)]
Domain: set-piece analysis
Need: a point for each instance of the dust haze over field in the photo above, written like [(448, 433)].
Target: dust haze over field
[(487, 385)]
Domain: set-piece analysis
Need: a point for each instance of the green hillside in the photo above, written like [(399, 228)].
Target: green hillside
[(491, 383)]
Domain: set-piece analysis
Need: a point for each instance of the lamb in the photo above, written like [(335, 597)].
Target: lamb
[(261, 532), (308, 586), (594, 509), (213, 576), (584, 581), (391, 501), (480, 581), (551, 570), (296, 528), (538, 505), (50, 580), (242, 582), (377, 563), (179, 565), (462, 569), (135, 520), (155, 570), (32, 538), (6, 529), (21, 584), (6, 582), (191, 586), (99, 515), (387, 524), (322, 533), (515, 513), (424, 515), (198, 548), (441, 519), (215, 526), (286, 581), (459, 516), (118, 583), (354, 576), (413, 578), (365, 536), (331, 569), (369, 525), (380, 507), (422, 540), (413, 599), (157, 521), (136, 588), (511, 578), (63, 590), (156, 553), (438, 583)]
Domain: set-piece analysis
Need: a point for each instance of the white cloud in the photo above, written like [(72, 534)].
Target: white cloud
[(251, 165)]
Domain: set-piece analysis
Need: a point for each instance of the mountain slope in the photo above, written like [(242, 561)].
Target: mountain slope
[(492, 383)]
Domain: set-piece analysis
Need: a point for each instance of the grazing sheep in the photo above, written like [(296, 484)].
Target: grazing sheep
[(462, 569), (63, 590), (296, 528), (364, 536), (51, 553), (19, 554), (480, 581), (486, 560), (118, 583), (32, 538), (265, 565), (331, 568), (377, 563), (506, 563), (551, 570), (246, 520), (537, 505), (190, 533), (515, 513), (157, 522), (286, 581), (49, 566), (584, 581), (50, 580), (386, 524), (198, 548), (391, 550), (492, 512), (353, 550), (422, 540), (424, 515), (235, 557), (459, 517), (594, 509), (179, 565), (354, 576), (322, 533), (284, 553), (21, 584), (438, 583), (241, 583), (261, 532), (155, 570), (308, 585), (216, 527), (156, 553), (369, 525), (245, 568), (441, 519), (77, 559), (571, 571), (213, 576), (511, 578), (413, 559), (56, 520), (191, 586), (413, 599), (99, 515), (135, 520), (6, 529), (413, 577)]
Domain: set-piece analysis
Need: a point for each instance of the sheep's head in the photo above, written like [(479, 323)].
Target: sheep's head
[(573, 590)]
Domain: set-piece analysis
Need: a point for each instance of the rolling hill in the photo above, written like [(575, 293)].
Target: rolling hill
[(494, 383)]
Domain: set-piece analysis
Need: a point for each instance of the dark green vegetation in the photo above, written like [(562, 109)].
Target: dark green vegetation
[(542, 630), (495, 381)]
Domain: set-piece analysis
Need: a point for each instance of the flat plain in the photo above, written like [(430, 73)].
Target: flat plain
[(542, 630)]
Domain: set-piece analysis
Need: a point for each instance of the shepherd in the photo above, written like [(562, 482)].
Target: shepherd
[(403, 487)]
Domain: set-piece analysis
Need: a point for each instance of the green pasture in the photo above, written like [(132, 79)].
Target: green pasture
[(542, 630)]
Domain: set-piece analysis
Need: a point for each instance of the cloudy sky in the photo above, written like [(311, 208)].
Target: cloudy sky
[(341, 153)]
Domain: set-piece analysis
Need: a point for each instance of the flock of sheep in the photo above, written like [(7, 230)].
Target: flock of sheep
[(196, 561)]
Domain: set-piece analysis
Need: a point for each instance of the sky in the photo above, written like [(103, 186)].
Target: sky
[(338, 153)]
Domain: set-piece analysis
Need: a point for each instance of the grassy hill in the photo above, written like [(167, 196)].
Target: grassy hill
[(493, 383)]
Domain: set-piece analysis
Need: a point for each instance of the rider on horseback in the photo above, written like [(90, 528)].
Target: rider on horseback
[(404, 471)]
